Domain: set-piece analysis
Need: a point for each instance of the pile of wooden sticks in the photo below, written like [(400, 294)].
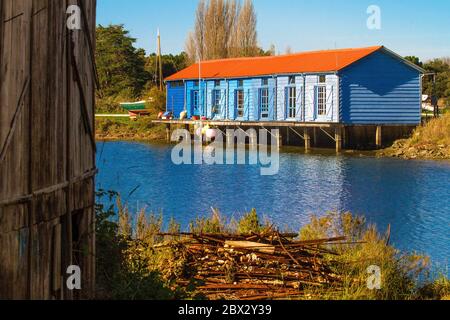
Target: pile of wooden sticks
[(263, 266)]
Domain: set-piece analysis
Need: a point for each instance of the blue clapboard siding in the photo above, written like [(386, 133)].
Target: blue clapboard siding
[(380, 89), (190, 87), (175, 98)]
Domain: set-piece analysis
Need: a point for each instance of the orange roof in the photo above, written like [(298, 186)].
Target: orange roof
[(306, 62)]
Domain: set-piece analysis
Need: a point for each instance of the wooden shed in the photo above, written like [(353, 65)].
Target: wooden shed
[(359, 92), (47, 149)]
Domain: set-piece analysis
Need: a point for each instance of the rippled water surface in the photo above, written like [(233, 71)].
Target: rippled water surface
[(412, 196)]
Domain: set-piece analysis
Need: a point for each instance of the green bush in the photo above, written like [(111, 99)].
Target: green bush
[(122, 272), (249, 224), (214, 224)]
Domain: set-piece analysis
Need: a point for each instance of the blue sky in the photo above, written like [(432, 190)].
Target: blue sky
[(409, 27)]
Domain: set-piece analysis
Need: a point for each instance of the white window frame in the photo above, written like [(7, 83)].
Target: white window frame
[(321, 100), (264, 107), (291, 101), (196, 100), (217, 101), (240, 93)]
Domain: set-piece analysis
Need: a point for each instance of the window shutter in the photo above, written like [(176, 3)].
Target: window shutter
[(235, 105), (247, 105), (314, 103), (286, 103), (258, 109), (191, 102), (329, 103), (298, 103), (272, 105), (254, 110), (223, 106)]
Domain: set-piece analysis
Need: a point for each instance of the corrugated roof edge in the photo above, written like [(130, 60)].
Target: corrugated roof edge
[(372, 50)]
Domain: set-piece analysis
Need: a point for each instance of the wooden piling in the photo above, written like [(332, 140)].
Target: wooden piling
[(338, 138), (307, 138), (279, 138), (315, 136), (229, 136), (168, 133), (378, 138)]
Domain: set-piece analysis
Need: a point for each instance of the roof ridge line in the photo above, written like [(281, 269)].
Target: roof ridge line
[(290, 55)]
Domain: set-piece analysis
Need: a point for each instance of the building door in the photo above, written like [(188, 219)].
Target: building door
[(216, 112), (264, 104), (291, 103), (195, 111)]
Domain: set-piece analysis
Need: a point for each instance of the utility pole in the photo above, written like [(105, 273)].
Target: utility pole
[(435, 98), (160, 62)]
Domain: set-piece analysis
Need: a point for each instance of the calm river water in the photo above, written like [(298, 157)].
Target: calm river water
[(412, 196)]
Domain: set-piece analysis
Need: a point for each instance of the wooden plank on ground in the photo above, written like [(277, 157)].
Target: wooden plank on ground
[(264, 248)]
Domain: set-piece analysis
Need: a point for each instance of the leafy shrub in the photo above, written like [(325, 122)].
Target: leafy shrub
[(214, 224), (122, 272), (249, 224)]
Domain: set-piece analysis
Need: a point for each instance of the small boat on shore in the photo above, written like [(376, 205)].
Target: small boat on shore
[(136, 109)]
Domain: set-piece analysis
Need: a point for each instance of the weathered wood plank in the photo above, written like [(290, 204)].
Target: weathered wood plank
[(47, 147)]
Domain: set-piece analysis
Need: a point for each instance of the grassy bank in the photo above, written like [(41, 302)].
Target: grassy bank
[(135, 262), (431, 141), (126, 129)]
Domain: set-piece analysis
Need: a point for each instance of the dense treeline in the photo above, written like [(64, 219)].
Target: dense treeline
[(441, 67), (223, 29), (126, 73)]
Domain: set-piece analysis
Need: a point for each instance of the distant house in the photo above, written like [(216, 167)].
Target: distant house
[(364, 86), (427, 103)]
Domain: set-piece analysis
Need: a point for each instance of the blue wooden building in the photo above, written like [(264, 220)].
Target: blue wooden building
[(346, 88)]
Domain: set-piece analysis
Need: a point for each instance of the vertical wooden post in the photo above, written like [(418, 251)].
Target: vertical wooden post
[(229, 136), (288, 137), (307, 137), (315, 137), (338, 138), (344, 137), (168, 132), (279, 140), (187, 127), (379, 140)]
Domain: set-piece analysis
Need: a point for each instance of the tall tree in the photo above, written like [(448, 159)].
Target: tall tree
[(121, 67), (223, 29), (246, 34)]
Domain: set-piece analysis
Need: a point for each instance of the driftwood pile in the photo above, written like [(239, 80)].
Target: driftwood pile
[(257, 267)]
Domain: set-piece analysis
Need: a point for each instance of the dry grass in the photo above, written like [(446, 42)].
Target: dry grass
[(130, 266), (436, 132), (431, 141), (125, 129), (400, 272)]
